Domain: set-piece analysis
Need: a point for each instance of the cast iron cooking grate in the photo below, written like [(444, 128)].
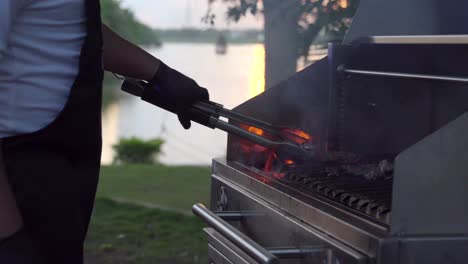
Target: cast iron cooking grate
[(356, 186)]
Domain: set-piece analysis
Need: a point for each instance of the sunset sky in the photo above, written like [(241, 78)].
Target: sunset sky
[(176, 14)]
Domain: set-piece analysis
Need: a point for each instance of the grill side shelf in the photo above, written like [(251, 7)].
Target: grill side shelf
[(431, 183)]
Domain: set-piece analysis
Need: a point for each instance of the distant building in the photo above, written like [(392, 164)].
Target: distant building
[(221, 45)]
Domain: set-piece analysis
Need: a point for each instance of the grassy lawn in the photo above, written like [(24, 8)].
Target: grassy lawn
[(175, 188), (127, 232)]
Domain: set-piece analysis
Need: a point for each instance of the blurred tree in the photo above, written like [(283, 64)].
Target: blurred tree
[(123, 21), (291, 27)]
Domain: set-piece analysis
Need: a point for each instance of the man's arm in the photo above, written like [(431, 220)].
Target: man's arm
[(174, 88), (125, 58)]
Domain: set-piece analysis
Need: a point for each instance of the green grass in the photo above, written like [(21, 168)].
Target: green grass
[(176, 188), (153, 224), (123, 233)]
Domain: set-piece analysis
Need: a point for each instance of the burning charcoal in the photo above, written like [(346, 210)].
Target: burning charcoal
[(370, 171), (383, 168), (358, 169)]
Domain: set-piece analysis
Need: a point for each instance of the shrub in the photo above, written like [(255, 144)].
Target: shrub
[(135, 150)]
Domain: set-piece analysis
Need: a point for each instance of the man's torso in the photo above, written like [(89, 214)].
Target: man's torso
[(40, 44)]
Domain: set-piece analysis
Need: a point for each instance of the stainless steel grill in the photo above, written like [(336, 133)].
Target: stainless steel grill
[(388, 119)]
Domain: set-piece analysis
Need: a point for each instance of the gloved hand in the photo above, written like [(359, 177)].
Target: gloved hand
[(178, 91)]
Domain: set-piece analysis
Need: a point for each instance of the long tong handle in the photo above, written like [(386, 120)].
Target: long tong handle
[(219, 110), (134, 87), (208, 113)]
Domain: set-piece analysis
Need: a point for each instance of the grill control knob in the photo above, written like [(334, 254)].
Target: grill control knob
[(223, 200)]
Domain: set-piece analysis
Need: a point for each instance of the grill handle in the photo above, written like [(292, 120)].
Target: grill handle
[(249, 246), (342, 69)]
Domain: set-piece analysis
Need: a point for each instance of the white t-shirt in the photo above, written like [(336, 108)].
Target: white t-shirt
[(40, 44)]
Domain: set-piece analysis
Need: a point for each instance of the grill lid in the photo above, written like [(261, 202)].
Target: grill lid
[(408, 17)]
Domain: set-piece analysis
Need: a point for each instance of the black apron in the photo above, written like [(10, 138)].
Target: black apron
[(54, 172)]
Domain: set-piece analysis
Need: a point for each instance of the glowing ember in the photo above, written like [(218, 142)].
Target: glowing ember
[(297, 135), (267, 159), (269, 162), (248, 147), (256, 131), (300, 133)]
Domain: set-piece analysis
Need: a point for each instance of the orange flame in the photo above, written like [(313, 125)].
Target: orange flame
[(256, 131), (301, 134), (297, 135), (272, 163)]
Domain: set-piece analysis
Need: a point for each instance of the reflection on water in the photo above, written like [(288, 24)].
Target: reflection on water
[(110, 129), (257, 72), (231, 80)]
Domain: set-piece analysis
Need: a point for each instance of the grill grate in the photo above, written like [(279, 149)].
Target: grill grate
[(369, 196)]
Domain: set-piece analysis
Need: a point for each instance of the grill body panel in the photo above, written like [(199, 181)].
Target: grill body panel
[(393, 184), (285, 218)]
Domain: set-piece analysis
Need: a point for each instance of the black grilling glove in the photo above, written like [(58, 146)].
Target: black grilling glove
[(178, 92)]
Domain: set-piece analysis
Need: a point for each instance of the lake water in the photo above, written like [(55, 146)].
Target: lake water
[(231, 79)]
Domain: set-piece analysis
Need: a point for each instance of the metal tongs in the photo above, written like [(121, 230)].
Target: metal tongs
[(208, 114)]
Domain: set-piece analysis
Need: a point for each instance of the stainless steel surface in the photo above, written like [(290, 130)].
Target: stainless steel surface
[(242, 241), (414, 39), (343, 69), (415, 17), (235, 216), (297, 253), (434, 250), (224, 250), (357, 231), (272, 227), (218, 258), (374, 115), (431, 184), (275, 228), (400, 95)]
